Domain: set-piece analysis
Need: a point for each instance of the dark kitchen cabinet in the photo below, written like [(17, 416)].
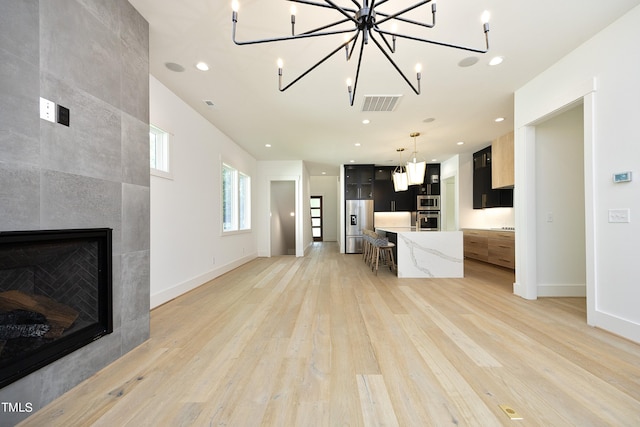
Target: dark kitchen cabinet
[(386, 199), (484, 196), (431, 184), (358, 182)]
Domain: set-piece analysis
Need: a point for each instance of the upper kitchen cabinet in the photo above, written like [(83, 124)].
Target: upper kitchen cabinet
[(431, 185), (358, 182), (386, 199), (484, 196), (502, 174)]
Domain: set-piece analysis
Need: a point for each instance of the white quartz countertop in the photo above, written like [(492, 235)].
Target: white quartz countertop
[(403, 230), (395, 229)]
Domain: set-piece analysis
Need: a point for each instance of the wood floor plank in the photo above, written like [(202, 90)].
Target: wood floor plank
[(322, 341), (377, 409)]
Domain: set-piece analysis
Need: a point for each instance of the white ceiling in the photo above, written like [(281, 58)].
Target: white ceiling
[(312, 121)]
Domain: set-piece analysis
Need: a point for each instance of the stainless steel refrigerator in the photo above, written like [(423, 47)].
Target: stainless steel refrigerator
[(358, 217)]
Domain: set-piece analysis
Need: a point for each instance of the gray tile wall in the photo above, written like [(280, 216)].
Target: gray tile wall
[(90, 56)]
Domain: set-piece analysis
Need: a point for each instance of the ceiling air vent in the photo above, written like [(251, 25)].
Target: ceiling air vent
[(209, 103), (380, 102)]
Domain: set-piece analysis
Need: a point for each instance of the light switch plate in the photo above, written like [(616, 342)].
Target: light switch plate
[(620, 215), (47, 110)]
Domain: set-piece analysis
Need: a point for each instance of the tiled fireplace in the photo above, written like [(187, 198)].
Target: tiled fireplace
[(91, 57), (55, 296)]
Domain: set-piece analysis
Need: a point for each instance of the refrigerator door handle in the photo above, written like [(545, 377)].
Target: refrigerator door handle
[(354, 219)]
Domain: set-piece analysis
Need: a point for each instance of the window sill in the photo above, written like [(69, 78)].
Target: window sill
[(233, 232), (161, 174)]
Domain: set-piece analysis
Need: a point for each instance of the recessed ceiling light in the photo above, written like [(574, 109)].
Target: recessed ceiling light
[(496, 60), (500, 119), (469, 61), (366, 122), (174, 67), (357, 144), (460, 142), (352, 161), (267, 145), (434, 160), (324, 173), (202, 66)]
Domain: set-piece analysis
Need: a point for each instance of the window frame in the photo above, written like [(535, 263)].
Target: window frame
[(164, 152), (239, 200)]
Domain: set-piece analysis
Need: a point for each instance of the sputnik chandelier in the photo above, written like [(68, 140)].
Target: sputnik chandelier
[(366, 20)]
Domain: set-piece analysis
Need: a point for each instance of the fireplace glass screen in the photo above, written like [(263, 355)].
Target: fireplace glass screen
[(55, 296)]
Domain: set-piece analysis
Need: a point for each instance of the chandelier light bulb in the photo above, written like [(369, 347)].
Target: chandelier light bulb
[(349, 83), (293, 10), (485, 17), (280, 64), (418, 68), (235, 5)]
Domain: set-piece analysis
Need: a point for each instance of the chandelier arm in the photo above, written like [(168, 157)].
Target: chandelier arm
[(326, 6), (411, 21), (278, 39), (384, 52), (342, 11), (327, 26), (391, 48), (313, 67), (408, 9), (470, 49), (352, 95), (355, 40)]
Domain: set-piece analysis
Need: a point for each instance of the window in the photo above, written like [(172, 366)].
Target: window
[(236, 199), (159, 152)]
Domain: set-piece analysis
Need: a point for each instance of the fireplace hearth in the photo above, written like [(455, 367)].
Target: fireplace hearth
[(55, 296)]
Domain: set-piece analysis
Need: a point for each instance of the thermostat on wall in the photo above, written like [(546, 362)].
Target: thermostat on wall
[(622, 177)]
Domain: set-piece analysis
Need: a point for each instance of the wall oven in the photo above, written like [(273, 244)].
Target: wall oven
[(428, 221), (428, 203)]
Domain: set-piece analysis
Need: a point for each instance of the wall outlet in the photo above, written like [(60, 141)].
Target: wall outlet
[(619, 215), (47, 110)]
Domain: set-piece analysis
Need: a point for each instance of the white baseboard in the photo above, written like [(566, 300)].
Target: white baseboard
[(184, 287), (572, 290), (616, 325)]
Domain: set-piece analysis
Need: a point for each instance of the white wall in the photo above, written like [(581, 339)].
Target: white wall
[(560, 226), (187, 248), (604, 71), (327, 187)]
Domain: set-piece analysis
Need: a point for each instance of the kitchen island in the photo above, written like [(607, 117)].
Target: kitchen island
[(432, 254)]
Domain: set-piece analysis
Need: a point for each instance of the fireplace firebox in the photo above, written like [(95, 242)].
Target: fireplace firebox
[(55, 296)]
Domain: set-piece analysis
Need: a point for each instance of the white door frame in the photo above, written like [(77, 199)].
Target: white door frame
[(526, 284)]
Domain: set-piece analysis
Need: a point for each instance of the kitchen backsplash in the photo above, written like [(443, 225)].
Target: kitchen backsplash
[(394, 219)]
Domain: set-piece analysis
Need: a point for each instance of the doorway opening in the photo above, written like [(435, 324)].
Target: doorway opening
[(283, 218), (316, 218), (560, 204)]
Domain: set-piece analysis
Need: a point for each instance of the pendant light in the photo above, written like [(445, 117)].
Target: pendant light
[(400, 180), (415, 169)]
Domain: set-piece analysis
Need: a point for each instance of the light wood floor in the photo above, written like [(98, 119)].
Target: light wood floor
[(321, 341)]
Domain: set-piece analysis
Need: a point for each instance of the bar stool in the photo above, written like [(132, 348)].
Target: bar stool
[(383, 252), (367, 245)]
